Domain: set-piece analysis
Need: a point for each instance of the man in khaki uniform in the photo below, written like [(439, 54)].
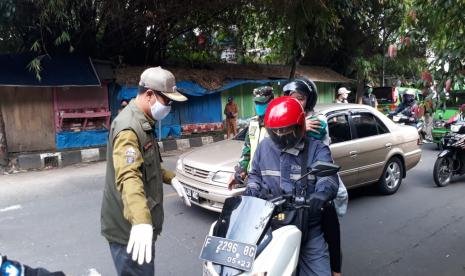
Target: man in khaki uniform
[(231, 111), (429, 105), (132, 206)]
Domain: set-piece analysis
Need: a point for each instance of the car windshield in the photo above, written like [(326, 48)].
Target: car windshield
[(383, 94), (241, 135)]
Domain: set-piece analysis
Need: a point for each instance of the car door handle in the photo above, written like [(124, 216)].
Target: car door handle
[(353, 154), (388, 145)]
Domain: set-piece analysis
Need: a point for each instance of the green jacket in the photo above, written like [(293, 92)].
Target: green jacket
[(133, 191)]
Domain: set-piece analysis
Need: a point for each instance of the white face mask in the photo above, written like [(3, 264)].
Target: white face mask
[(159, 111)]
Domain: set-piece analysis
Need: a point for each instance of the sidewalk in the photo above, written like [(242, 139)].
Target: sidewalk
[(45, 160)]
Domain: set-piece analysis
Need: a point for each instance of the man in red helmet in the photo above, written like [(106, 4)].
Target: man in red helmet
[(280, 160), (305, 91)]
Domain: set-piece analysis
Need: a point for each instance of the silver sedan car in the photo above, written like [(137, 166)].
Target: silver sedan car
[(369, 147)]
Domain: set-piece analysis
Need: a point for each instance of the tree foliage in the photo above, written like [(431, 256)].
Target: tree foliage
[(441, 24), (352, 37)]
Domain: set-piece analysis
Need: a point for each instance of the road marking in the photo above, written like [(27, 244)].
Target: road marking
[(10, 208), (93, 272)]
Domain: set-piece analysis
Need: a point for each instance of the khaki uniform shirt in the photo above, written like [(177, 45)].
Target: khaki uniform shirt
[(230, 110), (127, 159)]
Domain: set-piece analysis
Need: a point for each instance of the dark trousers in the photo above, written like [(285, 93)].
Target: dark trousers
[(332, 233), (124, 264)]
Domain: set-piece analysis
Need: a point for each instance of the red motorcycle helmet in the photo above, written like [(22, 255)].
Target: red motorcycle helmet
[(285, 121)]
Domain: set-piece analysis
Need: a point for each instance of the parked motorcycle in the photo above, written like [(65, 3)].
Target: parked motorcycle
[(450, 161), (245, 240)]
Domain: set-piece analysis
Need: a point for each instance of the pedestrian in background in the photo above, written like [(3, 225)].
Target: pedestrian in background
[(231, 111), (342, 95), (123, 104), (429, 105), (368, 98), (132, 206)]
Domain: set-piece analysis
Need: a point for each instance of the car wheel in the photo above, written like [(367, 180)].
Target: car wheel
[(392, 176)]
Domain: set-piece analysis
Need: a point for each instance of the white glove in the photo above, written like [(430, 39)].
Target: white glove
[(140, 243), (180, 190)]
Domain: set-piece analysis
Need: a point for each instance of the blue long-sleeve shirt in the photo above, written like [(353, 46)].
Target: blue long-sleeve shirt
[(274, 171)]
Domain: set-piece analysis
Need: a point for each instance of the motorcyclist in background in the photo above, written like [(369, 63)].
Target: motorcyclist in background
[(408, 105), (460, 117)]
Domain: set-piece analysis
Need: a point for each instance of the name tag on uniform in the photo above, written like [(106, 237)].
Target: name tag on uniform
[(252, 130), (148, 146)]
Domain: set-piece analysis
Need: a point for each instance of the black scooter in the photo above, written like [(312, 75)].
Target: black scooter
[(450, 161)]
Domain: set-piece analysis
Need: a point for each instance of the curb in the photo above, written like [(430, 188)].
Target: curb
[(38, 161)]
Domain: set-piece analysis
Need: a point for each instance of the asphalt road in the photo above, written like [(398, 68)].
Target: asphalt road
[(51, 219)]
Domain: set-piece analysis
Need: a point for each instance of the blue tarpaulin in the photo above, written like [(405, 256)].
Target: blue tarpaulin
[(202, 106), (81, 139), (194, 89), (206, 109), (127, 93)]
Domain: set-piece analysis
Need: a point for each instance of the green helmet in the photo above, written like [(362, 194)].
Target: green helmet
[(263, 94)]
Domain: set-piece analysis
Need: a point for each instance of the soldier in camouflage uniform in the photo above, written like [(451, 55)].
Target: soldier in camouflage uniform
[(256, 132)]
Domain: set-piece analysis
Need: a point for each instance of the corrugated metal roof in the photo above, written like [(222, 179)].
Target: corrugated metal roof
[(217, 75)]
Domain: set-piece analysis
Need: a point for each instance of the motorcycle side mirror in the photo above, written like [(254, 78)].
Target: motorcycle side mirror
[(322, 169)]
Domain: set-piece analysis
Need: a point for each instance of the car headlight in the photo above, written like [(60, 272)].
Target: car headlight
[(439, 124), (179, 165), (455, 128), (222, 177)]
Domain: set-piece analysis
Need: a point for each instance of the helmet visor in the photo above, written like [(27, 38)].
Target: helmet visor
[(288, 88), (286, 137)]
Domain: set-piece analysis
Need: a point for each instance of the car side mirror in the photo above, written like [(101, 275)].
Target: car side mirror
[(321, 168)]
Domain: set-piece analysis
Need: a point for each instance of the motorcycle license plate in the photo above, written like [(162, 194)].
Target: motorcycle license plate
[(396, 118), (228, 252)]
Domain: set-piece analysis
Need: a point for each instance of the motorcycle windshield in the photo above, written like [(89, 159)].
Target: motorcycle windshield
[(244, 219)]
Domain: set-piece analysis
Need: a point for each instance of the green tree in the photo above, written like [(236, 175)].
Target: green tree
[(441, 25)]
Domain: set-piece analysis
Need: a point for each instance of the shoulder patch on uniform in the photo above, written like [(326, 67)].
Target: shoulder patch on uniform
[(130, 151), (130, 155)]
